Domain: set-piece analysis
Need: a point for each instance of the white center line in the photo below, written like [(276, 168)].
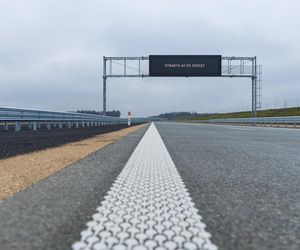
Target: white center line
[(148, 206), (241, 128)]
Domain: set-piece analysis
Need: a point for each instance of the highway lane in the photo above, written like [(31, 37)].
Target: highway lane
[(148, 207), (51, 213), (244, 181)]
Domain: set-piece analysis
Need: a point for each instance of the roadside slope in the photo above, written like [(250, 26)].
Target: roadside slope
[(21, 171)]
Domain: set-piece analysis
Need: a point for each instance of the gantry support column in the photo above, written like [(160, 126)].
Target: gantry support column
[(104, 85), (254, 87)]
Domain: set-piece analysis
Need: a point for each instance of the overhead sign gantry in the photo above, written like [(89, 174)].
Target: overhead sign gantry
[(187, 66)]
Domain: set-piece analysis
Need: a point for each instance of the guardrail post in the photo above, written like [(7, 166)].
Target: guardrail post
[(17, 127), (34, 126), (5, 126), (294, 125), (82, 124), (77, 124)]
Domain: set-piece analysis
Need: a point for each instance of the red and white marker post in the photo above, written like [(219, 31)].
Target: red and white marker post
[(129, 118)]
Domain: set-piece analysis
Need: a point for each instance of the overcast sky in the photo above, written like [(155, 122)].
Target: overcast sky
[(51, 52)]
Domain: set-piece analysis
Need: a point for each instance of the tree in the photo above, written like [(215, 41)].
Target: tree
[(114, 113)]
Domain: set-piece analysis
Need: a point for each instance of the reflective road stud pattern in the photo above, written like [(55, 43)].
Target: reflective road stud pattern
[(148, 206)]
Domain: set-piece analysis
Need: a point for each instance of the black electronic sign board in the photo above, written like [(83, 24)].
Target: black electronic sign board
[(185, 65)]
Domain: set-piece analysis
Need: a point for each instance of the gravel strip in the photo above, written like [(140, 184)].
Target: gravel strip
[(21, 171), (12, 143)]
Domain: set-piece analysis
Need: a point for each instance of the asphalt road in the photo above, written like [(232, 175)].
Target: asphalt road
[(52, 213), (245, 181)]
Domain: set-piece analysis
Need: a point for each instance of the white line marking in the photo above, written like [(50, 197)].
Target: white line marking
[(241, 128), (148, 206)]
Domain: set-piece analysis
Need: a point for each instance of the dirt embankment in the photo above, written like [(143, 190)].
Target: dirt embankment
[(20, 171), (26, 141)]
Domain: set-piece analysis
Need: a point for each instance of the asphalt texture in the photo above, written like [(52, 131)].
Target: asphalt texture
[(26, 141), (51, 213), (245, 181)]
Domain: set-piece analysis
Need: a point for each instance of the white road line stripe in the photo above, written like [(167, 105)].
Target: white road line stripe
[(148, 206), (241, 128)]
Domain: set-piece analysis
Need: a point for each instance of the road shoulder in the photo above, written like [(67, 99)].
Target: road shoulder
[(51, 213)]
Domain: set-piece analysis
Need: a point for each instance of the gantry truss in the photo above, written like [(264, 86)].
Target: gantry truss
[(116, 67)]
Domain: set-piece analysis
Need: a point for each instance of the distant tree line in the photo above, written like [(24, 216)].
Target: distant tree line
[(115, 113), (178, 115)]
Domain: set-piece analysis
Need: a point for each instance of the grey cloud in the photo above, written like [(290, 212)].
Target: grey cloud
[(51, 52)]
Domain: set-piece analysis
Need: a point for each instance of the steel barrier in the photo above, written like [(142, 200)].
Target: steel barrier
[(293, 121), (35, 119)]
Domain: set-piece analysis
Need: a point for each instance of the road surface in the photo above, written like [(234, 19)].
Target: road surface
[(243, 180)]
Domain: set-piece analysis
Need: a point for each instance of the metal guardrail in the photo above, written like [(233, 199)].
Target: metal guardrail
[(35, 118), (285, 120)]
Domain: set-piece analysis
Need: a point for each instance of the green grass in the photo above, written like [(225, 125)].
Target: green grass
[(261, 113)]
